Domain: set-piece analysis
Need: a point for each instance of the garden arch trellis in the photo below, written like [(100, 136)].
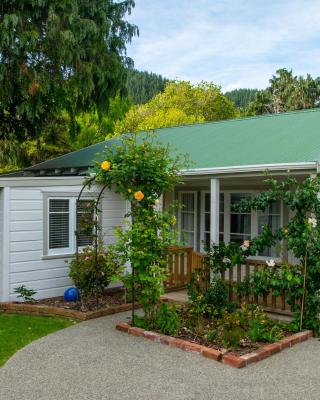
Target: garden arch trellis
[(95, 230)]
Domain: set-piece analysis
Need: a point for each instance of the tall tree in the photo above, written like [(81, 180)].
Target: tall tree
[(241, 97), (180, 103), (59, 55), (287, 92), (143, 85)]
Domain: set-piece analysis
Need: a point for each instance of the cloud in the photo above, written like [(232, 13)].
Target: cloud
[(235, 43)]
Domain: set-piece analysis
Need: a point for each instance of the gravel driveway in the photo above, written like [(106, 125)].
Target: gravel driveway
[(93, 361)]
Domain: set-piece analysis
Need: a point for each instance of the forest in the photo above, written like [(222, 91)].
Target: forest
[(67, 83)]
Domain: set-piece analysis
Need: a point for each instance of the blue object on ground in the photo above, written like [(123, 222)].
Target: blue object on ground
[(71, 294)]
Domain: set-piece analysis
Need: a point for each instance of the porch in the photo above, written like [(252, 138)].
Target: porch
[(206, 214), (184, 261)]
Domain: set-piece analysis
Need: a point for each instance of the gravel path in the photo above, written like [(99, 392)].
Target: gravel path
[(93, 361)]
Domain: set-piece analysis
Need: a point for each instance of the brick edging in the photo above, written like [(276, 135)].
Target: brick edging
[(40, 309), (218, 355)]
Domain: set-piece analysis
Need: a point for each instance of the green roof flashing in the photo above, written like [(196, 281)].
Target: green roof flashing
[(290, 137)]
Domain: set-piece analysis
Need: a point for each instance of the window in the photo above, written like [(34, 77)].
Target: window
[(206, 211), (272, 217), (188, 218), (63, 222), (240, 223), (59, 224)]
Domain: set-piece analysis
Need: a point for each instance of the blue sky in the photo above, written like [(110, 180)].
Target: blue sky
[(234, 43)]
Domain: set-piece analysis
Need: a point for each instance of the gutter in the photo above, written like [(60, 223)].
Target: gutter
[(253, 168)]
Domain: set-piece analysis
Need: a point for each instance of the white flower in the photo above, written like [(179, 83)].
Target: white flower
[(271, 263), (313, 222), (226, 260)]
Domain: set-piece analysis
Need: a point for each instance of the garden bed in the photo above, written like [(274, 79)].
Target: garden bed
[(112, 302), (225, 356)]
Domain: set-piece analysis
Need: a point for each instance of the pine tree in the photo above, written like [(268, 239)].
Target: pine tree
[(59, 55)]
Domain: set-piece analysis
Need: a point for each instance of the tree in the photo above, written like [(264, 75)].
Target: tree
[(59, 55), (93, 129), (143, 85), (287, 93), (180, 103), (241, 97)]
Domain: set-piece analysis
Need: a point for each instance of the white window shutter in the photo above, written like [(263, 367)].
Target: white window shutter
[(59, 223)]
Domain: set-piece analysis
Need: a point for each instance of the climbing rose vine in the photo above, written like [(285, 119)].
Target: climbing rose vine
[(141, 169)]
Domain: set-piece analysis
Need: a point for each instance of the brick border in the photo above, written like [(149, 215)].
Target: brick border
[(41, 309), (218, 355)]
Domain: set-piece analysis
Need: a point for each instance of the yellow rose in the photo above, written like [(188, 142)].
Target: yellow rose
[(106, 165), (174, 220), (138, 195)]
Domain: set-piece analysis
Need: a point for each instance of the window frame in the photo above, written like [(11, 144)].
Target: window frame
[(195, 212), (72, 198), (61, 250)]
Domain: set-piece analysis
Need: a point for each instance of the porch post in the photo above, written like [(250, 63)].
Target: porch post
[(214, 210)]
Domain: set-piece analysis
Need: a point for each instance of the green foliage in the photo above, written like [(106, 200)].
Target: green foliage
[(142, 85), (141, 169), (59, 56), (92, 273), (196, 314), (286, 92), (302, 237), (180, 103), (241, 97), (138, 163), (24, 293), (264, 331), (217, 294), (250, 321), (167, 319), (93, 128)]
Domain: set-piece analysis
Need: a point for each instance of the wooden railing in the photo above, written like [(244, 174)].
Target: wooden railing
[(269, 302), (183, 261), (179, 264)]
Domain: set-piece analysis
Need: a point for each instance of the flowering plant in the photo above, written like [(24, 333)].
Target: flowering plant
[(141, 170), (301, 236)]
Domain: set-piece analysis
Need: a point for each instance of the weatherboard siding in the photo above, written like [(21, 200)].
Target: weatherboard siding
[(48, 276), (1, 241)]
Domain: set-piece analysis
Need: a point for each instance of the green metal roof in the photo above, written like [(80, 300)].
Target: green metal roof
[(268, 139)]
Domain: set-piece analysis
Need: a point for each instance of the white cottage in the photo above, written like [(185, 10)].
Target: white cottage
[(38, 205)]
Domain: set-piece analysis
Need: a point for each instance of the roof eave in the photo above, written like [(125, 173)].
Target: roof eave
[(281, 167)]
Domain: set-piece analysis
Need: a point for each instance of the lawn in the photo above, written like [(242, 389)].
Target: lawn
[(17, 330)]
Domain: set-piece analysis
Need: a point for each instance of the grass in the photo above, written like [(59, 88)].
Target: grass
[(17, 330)]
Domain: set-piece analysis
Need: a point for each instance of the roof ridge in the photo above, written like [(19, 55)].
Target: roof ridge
[(307, 110)]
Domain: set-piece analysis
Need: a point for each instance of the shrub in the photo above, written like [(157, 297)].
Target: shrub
[(263, 330), (25, 293), (217, 294), (167, 319), (248, 322), (92, 273)]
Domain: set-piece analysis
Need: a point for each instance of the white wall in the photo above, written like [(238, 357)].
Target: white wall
[(1, 241), (27, 266)]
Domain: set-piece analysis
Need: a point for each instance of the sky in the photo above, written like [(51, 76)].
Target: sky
[(233, 43)]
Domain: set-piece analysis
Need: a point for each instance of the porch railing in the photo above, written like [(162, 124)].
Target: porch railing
[(183, 261)]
